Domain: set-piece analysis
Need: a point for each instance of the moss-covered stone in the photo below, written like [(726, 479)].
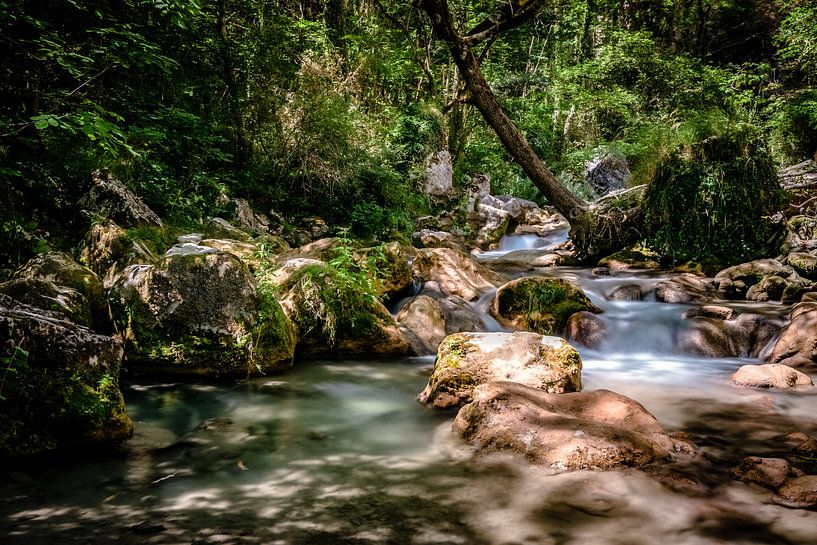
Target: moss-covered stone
[(49, 296), (200, 314), (107, 249), (61, 387), (539, 304), (632, 258)]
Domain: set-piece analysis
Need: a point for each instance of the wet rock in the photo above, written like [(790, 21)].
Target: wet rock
[(800, 492), (632, 259), (540, 304), (46, 295), (518, 209), (607, 172), (490, 225), (530, 260), (745, 336), (800, 443), (60, 269), (107, 249), (427, 238), (439, 182), (424, 317), (459, 315), (797, 345), (586, 329), (601, 271), (626, 292), (598, 429), (455, 273), (767, 472), (804, 264), (64, 388), (334, 316), (109, 198), (466, 360), (761, 280), (716, 312), (685, 288), (199, 314), (771, 375), (220, 228)]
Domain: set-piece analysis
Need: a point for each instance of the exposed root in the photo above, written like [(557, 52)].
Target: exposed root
[(611, 224)]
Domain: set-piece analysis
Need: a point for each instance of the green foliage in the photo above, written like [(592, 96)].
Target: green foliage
[(793, 126), (713, 198)]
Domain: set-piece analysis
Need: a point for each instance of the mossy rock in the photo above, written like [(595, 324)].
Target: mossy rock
[(200, 314), (47, 295), (632, 258), (805, 264), (539, 304), (466, 360), (107, 249), (334, 314), (63, 392)]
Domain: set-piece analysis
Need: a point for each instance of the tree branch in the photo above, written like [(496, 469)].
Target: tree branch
[(514, 14)]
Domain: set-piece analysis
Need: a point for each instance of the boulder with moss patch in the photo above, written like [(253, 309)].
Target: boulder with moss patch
[(540, 304), (336, 311), (455, 273), (466, 360), (110, 198), (760, 280), (64, 389), (630, 259), (200, 314), (108, 249), (47, 295)]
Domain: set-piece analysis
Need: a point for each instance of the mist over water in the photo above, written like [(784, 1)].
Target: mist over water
[(340, 452)]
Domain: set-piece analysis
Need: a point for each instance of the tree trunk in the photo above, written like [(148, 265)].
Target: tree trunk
[(595, 230), (231, 82)]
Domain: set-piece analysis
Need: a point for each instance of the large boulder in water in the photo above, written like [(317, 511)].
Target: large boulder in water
[(455, 273), (60, 269), (598, 429), (770, 375), (466, 360), (490, 224), (767, 472), (109, 198), (800, 492), (61, 384), (424, 318), (540, 304), (797, 344), (685, 288), (334, 315), (744, 336), (761, 280), (586, 329), (198, 313)]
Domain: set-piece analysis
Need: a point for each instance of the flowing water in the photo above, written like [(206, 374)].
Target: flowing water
[(340, 452)]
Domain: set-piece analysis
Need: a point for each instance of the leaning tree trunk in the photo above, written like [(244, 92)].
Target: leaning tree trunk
[(596, 230)]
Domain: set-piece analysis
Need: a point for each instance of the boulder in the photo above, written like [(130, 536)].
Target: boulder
[(47, 295), (540, 304), (745, 336), (107, 249), (333, 315), (466, 360), (582, 430), (245, 251), (770, 375), (199, 314), (490, 224), (459, 315), (797, 345), (424, 318), (247, 219), (479, 186), (685, 288), (586, 329), (631, 259), (607, 172), (518, 209), (761, 280), (531, 259), (717, 312), (389, 263), (64, 388), (767, 472), (314, 226), (220, 228), (455, 272), (799, 492), (61, 270), (428, 238), (439, 181), (804, 264), (626, 292), (109, 198)]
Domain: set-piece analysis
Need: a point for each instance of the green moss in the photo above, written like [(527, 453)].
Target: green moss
[(157, 239), (545, 304)]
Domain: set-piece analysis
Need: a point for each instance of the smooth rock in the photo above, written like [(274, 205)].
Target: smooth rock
[(626, 292), (800, 492), (586, 329), (767, 472), (685, 288), (797, 344), (770, 375), (455, 273), (424, 317)]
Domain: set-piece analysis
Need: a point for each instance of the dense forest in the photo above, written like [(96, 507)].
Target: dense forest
[(332, 108)]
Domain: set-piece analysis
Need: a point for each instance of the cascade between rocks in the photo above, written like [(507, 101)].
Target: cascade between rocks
[(340, 451)]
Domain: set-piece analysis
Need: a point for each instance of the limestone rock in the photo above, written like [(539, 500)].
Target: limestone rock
[(770, 375), (423, 317), (490, 224), (248, 219), (459, 315), (439, 183), (222, 229), (799, 492), (245, 251), (598, 429), (586, 329), (466, 360), (745, 336), (199, 314), (631, 259), (107, 249), (685, 288), (626, 292), (46, 295), (428, 238), (797, 345), (761, 280), (804, 264), (455, 272), (64, 392), (717, 312), (518, 209), (540, 304), (767, 472), (607, 172), (109, 198)]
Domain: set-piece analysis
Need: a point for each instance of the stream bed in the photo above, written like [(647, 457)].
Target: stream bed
[(339, 452)]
